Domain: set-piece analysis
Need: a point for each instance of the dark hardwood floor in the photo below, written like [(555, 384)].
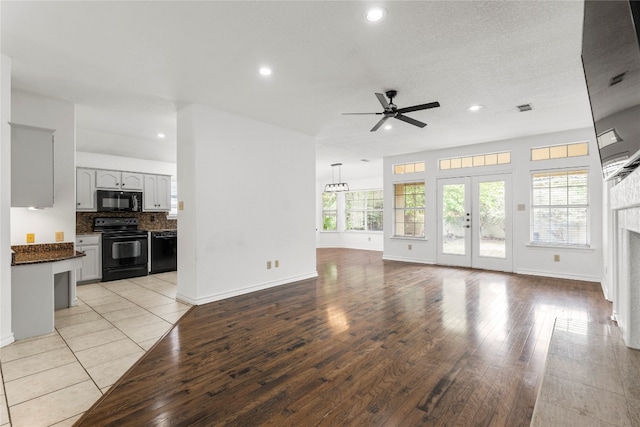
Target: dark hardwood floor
[(369, 342)]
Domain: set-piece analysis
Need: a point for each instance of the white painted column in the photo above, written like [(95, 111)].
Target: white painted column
[(248, 195), (6, 331)]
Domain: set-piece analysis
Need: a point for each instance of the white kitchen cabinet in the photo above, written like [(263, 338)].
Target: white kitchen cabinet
[(91, 269), (85, 189), (157, 193), (32, 154), (116, 180)]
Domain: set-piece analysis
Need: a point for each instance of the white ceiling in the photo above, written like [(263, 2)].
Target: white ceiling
[(130, 65)]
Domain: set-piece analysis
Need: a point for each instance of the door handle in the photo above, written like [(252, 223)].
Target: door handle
[(466, 226)]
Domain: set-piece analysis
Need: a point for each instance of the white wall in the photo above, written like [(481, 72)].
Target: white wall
[(248, 194), (35, 110), (107, 161), (373, 241), (6, 332), (576, 263)]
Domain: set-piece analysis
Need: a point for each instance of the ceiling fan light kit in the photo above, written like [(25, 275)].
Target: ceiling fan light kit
[(392, 111), (336, 187)]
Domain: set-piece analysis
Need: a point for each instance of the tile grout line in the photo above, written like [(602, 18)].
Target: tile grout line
[(5, 397), (57, 332)]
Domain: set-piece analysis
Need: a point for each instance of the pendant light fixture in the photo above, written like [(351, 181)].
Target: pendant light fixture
[(335, 187)]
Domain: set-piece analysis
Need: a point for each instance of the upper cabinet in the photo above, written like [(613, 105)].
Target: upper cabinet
[(156, 189), (116, 180), (157, 193), (32, 183), (85, 189)]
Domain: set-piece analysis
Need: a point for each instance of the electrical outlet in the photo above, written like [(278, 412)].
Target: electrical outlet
[(31, 238), (410, 247), (59, 236), (556, 258), (268, 265), (276, 263)]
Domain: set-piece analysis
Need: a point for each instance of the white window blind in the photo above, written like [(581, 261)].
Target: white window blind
[(329, 212), (560, 208), (364, 210), (409, 207)]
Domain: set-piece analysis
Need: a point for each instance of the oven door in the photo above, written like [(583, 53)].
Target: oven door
[(124, 255)]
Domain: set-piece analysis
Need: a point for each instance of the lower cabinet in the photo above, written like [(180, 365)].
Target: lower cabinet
[(91, 269)]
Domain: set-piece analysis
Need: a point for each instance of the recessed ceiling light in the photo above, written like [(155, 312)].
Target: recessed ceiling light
[(265, 71), (376, 14), (474, 107), (387, 127), (161, 135)]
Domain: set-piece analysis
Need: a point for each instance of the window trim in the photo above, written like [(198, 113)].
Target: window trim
[(335, 211), (395, 210), (546, 244), (365, 211)]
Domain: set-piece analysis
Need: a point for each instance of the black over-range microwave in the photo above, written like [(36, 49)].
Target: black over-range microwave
[(119, 201)]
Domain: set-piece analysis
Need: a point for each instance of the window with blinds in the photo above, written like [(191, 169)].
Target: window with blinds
[(329, 211), (364, 210), (560, 207), (409, 207)]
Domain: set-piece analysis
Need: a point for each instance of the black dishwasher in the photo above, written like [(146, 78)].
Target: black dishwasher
[(164, 251)]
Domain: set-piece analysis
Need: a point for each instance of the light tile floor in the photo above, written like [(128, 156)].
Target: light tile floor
[(591, 378), (52, 379)]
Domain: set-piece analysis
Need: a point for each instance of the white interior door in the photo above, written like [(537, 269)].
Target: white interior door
[(475, 222)]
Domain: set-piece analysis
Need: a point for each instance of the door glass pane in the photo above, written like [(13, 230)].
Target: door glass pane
[(453, 218), (492, 219)]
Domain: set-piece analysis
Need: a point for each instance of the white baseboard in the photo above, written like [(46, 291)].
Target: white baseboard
[(245, 290), (559, 275), (7, 340), (404, 259)]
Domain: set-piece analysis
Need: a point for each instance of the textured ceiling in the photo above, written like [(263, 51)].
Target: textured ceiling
[(130, 65)]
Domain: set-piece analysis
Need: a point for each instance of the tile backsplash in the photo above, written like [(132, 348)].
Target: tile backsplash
[(146, 220)]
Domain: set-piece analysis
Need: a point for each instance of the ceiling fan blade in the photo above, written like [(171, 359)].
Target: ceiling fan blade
[(410, 121), (383, 101), (349, 114), (418, 107), (380, 123)]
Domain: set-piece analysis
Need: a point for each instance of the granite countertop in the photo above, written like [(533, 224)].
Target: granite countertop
[(48, 252)]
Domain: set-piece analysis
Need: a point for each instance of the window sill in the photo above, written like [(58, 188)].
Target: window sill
[(172, 216), (328, 231), (562, 247), (363, 231)]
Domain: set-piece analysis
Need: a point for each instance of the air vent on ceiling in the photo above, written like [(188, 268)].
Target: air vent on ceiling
[(364, 160), (524, 107), (617, 79)]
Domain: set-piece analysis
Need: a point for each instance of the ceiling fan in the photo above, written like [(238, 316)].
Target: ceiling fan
[(392, 110)]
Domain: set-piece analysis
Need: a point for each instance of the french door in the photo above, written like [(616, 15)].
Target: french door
[(475, 221)]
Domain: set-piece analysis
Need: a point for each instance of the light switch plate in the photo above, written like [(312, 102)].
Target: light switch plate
[(180, 205), (59, 236), (31, 238), (521, 207)]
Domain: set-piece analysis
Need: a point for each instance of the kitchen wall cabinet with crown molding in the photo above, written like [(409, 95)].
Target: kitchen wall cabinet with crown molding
[(157, 193), (117, 180), (91, 269), (85, 189)]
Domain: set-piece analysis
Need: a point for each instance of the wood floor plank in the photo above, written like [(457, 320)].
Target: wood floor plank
[(369, 342)]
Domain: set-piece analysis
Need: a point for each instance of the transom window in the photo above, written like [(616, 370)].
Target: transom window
[(329, 211), (364, 210), (409, 207), (560, 207), (490, 159), (560, 151), (403, 168)]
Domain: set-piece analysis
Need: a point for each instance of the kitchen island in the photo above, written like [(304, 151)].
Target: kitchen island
[(42, 281)]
